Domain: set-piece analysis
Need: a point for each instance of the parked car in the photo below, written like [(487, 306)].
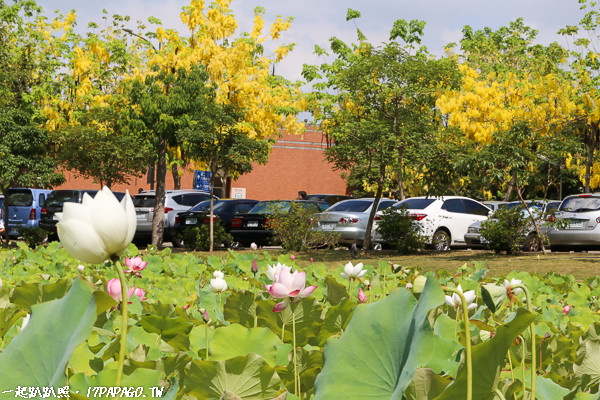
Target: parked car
[(577, 223), (24, 208), (54, 204), (253, 227), (540, 208), (349, 218), (223, 210), (494, 204), (443, 220), (175, 201), (330, 199)]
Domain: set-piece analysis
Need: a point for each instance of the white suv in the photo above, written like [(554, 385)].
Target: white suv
[(175, 201), (444, 219)]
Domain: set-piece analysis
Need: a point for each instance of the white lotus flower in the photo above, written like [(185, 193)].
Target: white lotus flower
[(217, 285), (274, 270), (98, 228), (513, 281), (353, 271), (253, 246), (454, 300), (218, 274)]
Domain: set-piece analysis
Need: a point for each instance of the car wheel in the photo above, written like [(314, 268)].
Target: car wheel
[(532, 243), (177, 241), (441, 240)]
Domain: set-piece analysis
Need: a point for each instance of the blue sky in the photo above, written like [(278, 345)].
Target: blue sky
[(315, 21)]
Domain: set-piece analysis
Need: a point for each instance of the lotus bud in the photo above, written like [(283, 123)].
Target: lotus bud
[(493, 296), (253, 246), (280, 306), (186, 306), (254, 266), (419, 284), (217, 285), (80, 267), (409, 285), (566, 309), (98, 228), (362, 297), (141, 293), (311, 260), (292, 257), (205, 316)]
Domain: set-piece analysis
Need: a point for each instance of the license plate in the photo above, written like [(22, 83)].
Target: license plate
[(252, 224), (328, 227), (576, 225), (191, 221)]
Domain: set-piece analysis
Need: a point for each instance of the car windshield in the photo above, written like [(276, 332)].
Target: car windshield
[(415, 204), (144, 201), (352, 206), (204, 206), (580, 204), (20, 197), (60, 197), (269, 207)]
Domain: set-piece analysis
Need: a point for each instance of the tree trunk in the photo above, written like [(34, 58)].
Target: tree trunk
[(158, 221), (176, 176), (367, 239), (399, 176)]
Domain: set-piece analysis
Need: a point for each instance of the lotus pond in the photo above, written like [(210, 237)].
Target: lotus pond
[(380, 331)]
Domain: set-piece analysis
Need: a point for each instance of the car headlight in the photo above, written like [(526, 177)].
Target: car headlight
[(473, 230)]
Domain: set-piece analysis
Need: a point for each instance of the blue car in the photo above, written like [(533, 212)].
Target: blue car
[(24, 208)]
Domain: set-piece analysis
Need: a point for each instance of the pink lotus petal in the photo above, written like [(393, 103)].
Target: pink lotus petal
[(294, 293), (279, 290), (280, 306), (299, 281), (307, 291), (268, 288), (286, 278)]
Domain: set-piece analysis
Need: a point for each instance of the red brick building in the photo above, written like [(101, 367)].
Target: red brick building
[(296, 163)]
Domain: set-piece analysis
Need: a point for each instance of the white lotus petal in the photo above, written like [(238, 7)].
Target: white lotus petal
[(110, 221), (472, 306), (469, 296), (449, 301), (81, 241), (362, 273), (75, 211), (127, 205), (343, 274)]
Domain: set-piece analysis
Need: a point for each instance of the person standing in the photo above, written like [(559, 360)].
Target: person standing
[(302, 195)]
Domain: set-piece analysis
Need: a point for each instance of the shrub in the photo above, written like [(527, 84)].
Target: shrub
[(198, 238), (399, 232), (293, 229), (506, 231), (34, 236)]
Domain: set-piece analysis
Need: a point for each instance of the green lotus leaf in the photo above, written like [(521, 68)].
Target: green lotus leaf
[(588, 356), (308, 319), (310, 363), (248, 377), (235, 340), (336, 319), (488, 359), (335, 291), (546, 389), (383, 346), (426, 385), (240, 308), (37, 356)]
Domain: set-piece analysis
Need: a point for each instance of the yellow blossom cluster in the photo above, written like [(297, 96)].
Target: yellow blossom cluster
[(487, 104)]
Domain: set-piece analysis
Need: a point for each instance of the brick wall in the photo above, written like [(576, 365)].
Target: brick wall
[(296, 163)]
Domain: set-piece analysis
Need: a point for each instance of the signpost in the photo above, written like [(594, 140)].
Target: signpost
[(202, 180)]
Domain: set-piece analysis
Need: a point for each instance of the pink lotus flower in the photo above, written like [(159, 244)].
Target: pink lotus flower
[(289, 286), (566, 309), (292, 257), (362, 297), (135, 265), (141, 293), (81, 267), (113, 288)]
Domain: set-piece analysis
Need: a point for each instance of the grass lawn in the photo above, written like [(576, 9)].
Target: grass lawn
[(580, 264)]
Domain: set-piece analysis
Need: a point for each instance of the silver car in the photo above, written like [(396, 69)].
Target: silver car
[(539, 208), (578, 223), (349, 218), (176, 201)]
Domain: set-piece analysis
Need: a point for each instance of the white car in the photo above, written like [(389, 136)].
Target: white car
[(444, 220)]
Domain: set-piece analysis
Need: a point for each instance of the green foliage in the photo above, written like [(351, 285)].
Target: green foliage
[(390, 358), (55, 329), (398, 230), (198, 237), (34, 236), (294, 230), (506, 230)]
